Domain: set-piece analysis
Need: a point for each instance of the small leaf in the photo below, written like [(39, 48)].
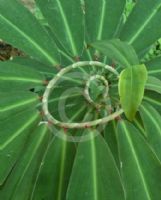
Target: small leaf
[(118, 51), (131, 89)]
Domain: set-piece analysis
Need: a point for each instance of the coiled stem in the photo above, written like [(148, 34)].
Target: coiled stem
[(50, 87)]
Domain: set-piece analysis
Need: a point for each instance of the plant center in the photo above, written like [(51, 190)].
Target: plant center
[(95, 92)]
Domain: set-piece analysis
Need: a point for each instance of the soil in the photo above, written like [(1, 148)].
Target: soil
[(6, 50), (29, 4)]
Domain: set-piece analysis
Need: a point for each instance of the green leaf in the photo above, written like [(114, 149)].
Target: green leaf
[(96, 171), (118, 51), (151, 119), (18, 77), (140, 168), (14, 133), (103, 18), (138, 123), (131, 89), (65, 18), (55, 172), (110, 137), (21, 181), (153, 84), (154, 67), (144, 32), (14, 102), (153, 98), (22, 30), (35, 65)]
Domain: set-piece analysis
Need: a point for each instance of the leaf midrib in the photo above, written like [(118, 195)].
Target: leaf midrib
[(33, 155), (142, 26), (38, 47), (152, 119), (102, 17), (154, 71), (94, 166), (62, 168), (137, 161), (68, 31), (20, 130), (14, 78), (13, 106), (152, 100)]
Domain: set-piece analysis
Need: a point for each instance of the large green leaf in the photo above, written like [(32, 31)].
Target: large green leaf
[(140, 168), (141, 29), (21, 29), (21, 180), (152, 125), (120, 52), (96, 171), (65, 18), (18, 77), (131, 89), (14, 132), (55, 172), (103, 18)]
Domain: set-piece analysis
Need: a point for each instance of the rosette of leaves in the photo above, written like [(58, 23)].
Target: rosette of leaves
[(80, 113)]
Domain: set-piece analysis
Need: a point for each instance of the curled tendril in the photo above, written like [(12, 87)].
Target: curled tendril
[(86, 90), (50, 87)]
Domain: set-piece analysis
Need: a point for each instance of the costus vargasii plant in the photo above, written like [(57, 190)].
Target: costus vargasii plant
[(80, 110)]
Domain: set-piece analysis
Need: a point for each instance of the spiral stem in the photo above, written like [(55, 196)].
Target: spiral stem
[(48, 117), (86, 90)]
